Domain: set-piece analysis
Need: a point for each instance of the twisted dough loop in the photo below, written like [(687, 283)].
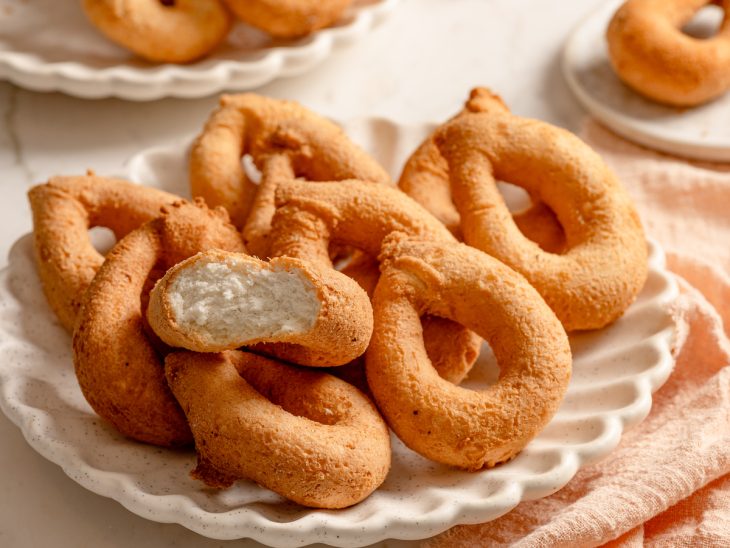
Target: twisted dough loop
[(309, 217), (605, 262), (339, 331), (451, 348), (425, 178), (174, 31), (117, 365), (289, 18), (445, 423), (63, 211), (650, 53), (308, 145), (306, 435)]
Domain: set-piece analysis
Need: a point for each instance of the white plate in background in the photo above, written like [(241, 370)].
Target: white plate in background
[(701, 133), (49, 45), (616, 369)]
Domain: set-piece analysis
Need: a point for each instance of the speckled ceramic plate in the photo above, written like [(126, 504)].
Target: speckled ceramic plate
[(48, 45), (615, 372), (701, 132)]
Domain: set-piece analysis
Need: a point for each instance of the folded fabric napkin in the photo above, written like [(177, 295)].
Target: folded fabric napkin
[(668, 482)]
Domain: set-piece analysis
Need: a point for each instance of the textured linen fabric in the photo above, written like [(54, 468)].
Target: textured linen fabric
[(668, 482)]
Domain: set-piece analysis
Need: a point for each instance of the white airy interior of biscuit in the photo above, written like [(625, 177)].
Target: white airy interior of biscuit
[(236, 301)]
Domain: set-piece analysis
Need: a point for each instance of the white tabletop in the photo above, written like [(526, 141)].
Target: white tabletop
[(418, 66)]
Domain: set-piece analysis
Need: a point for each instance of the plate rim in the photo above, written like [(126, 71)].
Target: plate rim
[(620, 122), (188, 81), (324, 526)]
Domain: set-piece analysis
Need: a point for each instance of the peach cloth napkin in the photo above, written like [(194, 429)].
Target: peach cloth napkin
[(668, 482)]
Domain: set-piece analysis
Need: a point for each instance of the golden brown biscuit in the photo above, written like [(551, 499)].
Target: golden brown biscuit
[(284, 139), (604, 265), (293, 309), (451, 425), (651, 54), (425, 178), (306, 435), (310, 217), (289, 18), (118, 368), (162, 31), (64, 209), (451, 347)]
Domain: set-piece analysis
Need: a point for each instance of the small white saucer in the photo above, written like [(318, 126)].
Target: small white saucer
[(701, 133)]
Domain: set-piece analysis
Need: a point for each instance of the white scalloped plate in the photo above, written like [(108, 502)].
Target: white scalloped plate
[(615, 372), (702, 132), (48, 45)]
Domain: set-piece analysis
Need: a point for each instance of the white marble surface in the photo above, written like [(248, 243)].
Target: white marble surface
[(418, 66)]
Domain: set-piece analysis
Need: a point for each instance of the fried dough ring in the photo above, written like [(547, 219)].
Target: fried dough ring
[(451, 348), (63, 211), (310, 217), (306, 435), (117, 366), (605, 264), (309, 146), (289, 18), (425, 178), (451, 425), (329, 320), (651, 54), (285, 140), (162, 31)]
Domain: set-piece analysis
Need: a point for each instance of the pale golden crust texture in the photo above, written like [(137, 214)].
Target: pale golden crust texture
[(604, 264), (63, 211), (289, 18), (651, 54), (310, 217), (286, 140), (425, 178), (118, 368), (451, 347), (173, 31), (304, 434), (464, 428), (575, 260)]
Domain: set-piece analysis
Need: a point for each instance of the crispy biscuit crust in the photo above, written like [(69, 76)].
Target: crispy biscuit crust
[(289, 18), (304, 434), (309, 217), (340, 333), (117, 364), (445, 423), (651, 54), (604, 264), (63, 211), (307, 145), (425, 178), (181, 32)]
